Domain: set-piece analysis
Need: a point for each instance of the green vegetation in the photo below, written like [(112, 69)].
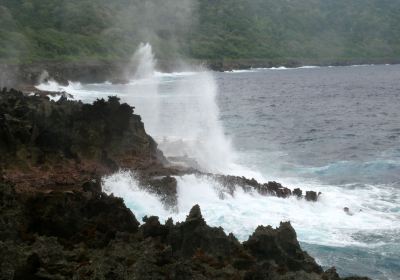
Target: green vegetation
[(307, 30)]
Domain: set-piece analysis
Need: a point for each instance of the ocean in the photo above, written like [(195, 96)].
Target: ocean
[(335, 130)]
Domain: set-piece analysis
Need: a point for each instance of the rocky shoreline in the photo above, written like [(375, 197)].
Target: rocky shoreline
[(87, 234), (56, 223)]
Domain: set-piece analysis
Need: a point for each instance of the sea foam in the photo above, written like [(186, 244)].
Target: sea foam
[(322, 223)]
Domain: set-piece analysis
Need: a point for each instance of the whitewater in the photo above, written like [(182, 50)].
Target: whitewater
[(248, 137)]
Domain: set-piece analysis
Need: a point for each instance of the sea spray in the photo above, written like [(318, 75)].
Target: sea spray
[(322, 223), (190, 126), (124, 184), (141, 74), (183, 119), (143, 63)]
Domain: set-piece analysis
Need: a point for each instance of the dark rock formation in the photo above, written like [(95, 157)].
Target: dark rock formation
[(230, 183), (281, 246), (311, 196), (45, 143), (165, 188), (298, 192), (90, 235)]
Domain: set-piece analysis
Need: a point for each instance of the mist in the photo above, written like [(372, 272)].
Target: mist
[(13, 46), (163, 24)]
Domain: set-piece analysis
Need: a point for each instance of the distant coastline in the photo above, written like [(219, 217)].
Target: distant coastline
[(20, 74)]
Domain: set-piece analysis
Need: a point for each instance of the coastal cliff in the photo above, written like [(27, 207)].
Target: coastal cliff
[(56, 223), (46, 144)]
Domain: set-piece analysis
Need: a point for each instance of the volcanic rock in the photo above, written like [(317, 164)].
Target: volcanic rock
[(46, 144), (165, 188), (311, 196), (62, 235), (230, 183)]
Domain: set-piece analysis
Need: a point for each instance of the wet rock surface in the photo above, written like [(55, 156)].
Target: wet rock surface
[(91, 235), (164, 187), (231, 183)]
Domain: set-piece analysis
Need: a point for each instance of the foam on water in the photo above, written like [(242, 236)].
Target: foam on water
[(292, 68), (76, 89), (322, 223), (50, 85), (173, 74), (124, 184), (272, 68)]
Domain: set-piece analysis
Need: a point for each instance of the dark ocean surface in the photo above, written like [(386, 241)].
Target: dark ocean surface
[(336, 126)]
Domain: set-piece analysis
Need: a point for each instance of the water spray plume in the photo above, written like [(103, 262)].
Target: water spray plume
[(144, 62), (186, 124)]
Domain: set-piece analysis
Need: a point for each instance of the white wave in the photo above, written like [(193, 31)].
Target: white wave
[(242, 71), (277, 68), (145, 81), (173, 74), (309, 67), (54, 98), (77, 90), (50, 85), (160, 77), (106, 83), (124, 184), (323, 222), (251, 70), (291, 68), (361, 65)]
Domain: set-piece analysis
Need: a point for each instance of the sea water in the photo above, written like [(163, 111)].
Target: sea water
[(330, 129)]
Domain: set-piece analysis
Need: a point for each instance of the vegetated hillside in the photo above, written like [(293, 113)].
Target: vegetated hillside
[(305, 30)]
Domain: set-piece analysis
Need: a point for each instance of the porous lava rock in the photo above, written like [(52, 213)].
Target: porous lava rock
[(92, 235)]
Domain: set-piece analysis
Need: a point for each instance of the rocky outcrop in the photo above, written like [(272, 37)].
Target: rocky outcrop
[(45, 143), (90, 235), (231, 183), (281, 246), (164, 187)]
